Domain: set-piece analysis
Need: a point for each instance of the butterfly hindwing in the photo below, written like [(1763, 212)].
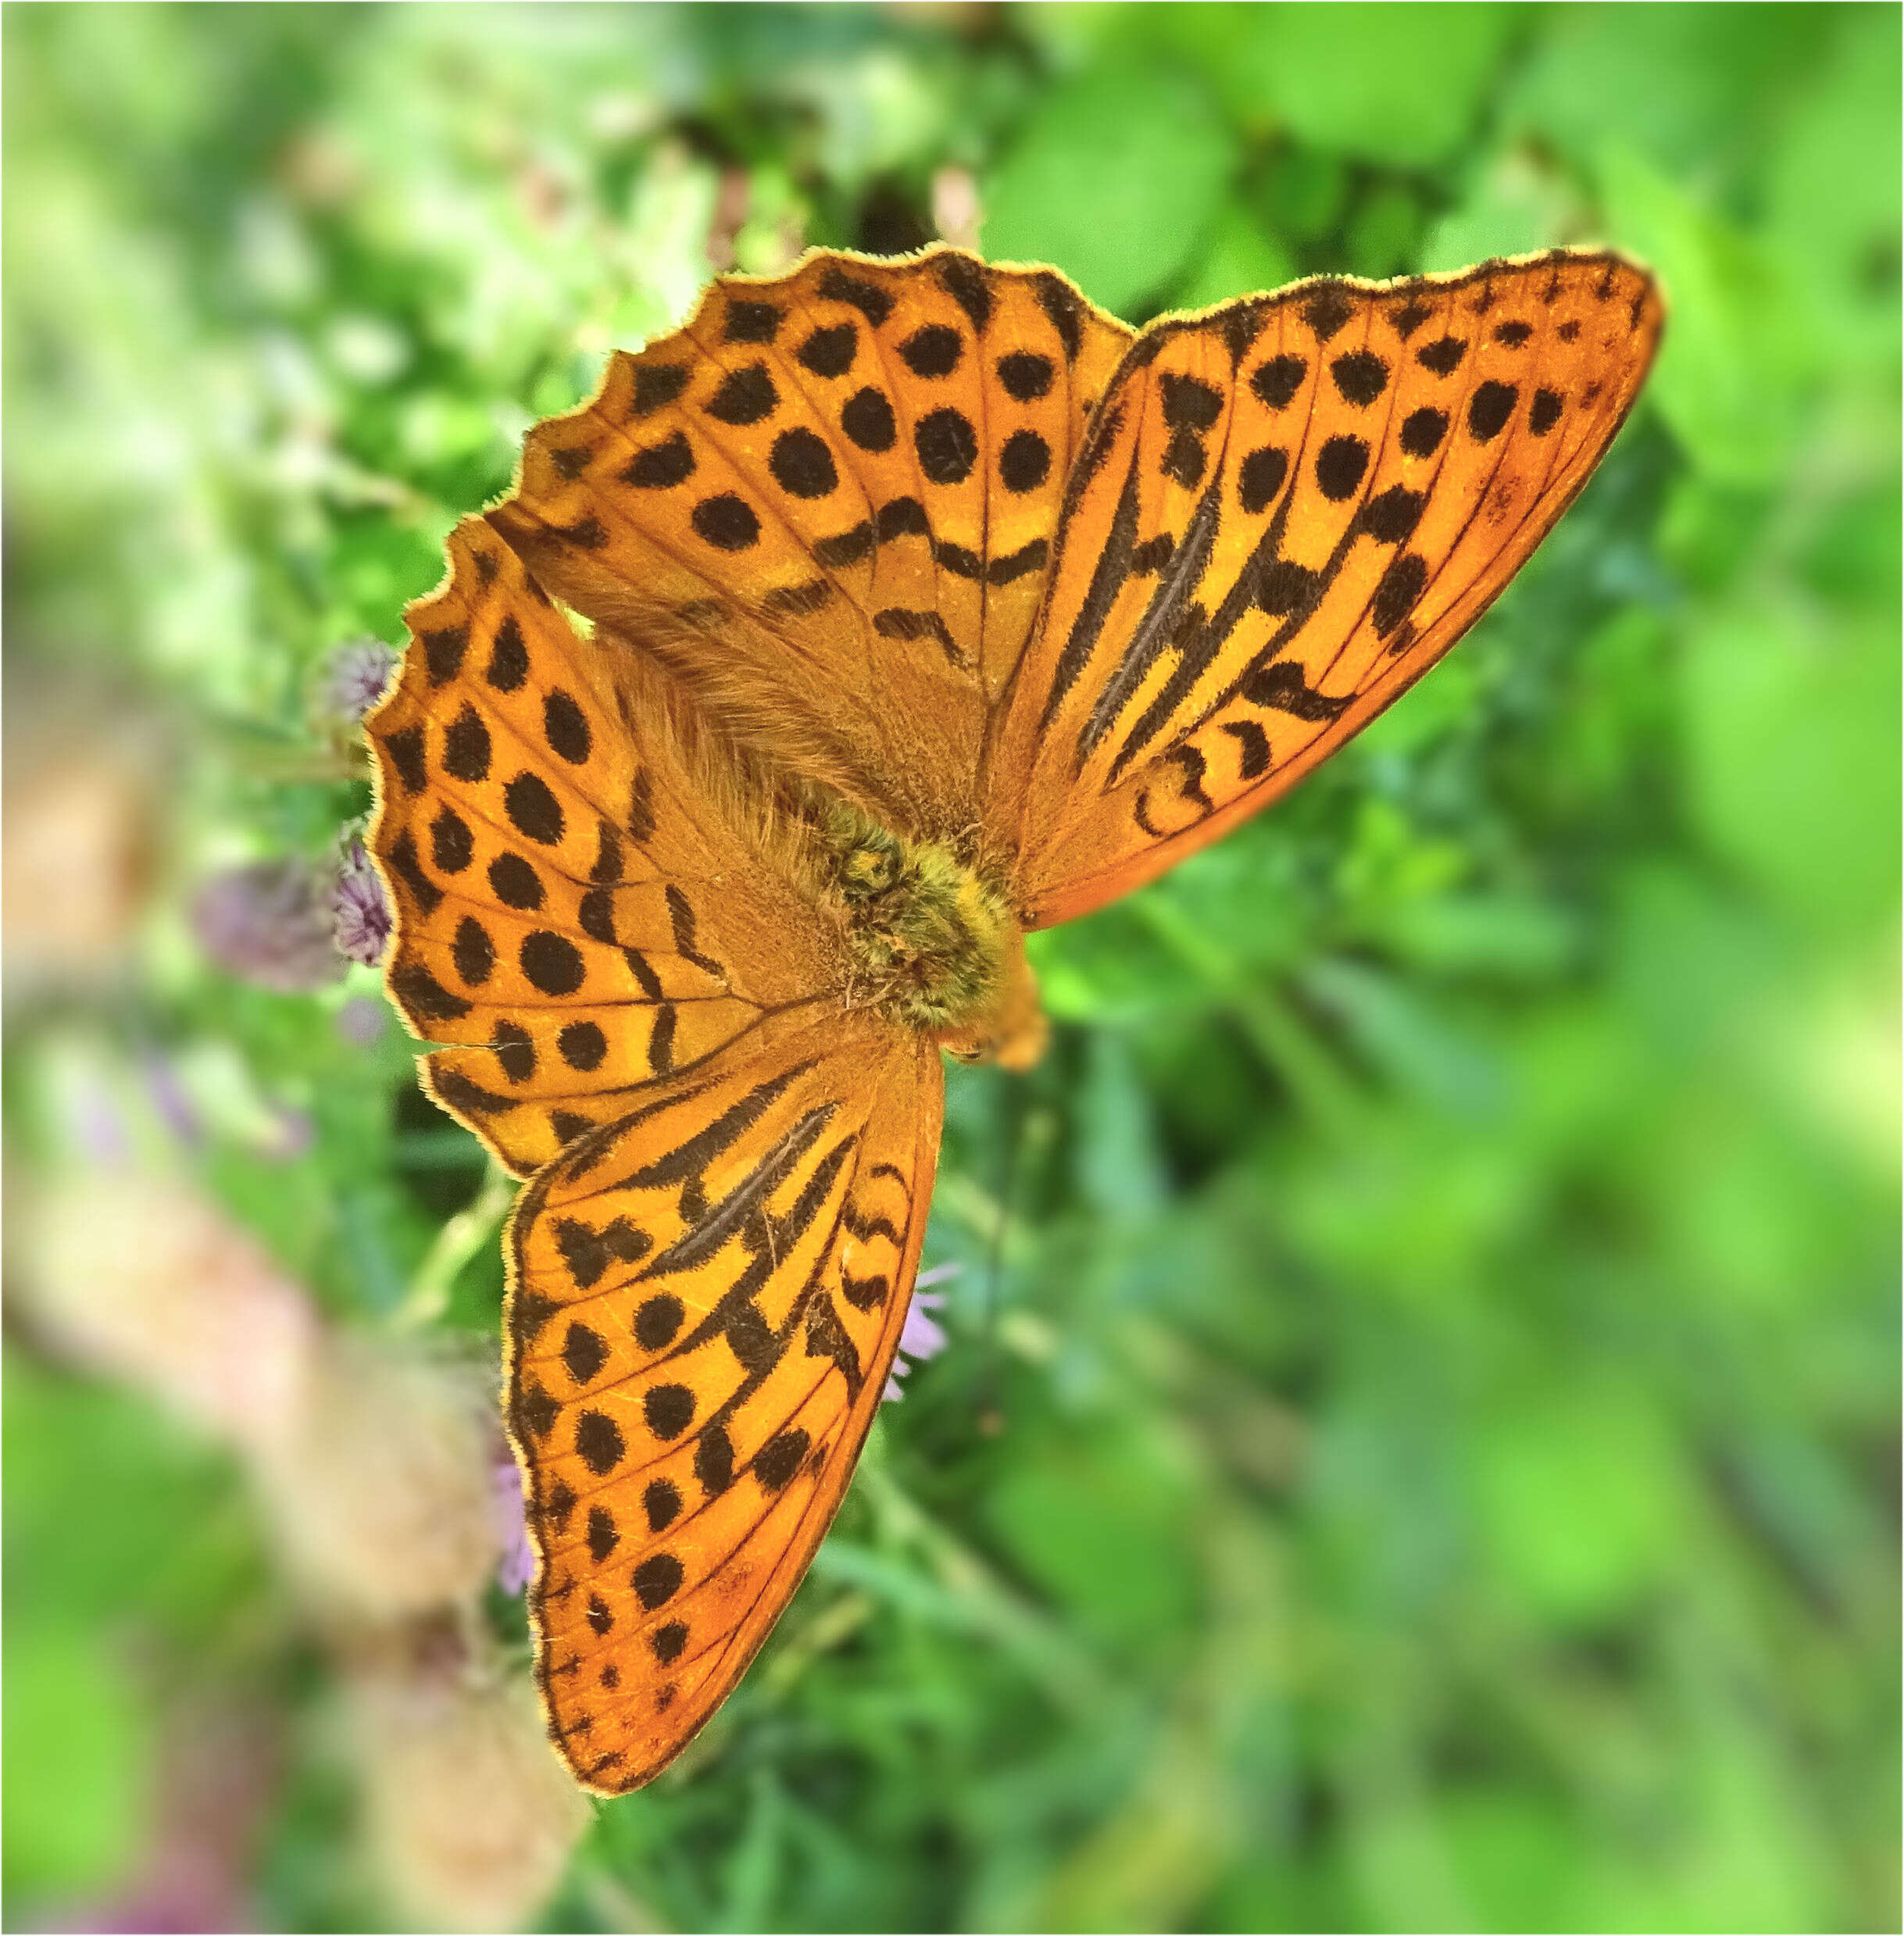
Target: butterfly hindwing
[(1288, 509), (705, 1300), (552, 867), (829, 503)]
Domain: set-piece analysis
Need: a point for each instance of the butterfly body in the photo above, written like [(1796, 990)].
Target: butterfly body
[(935, 943), (886, 611)]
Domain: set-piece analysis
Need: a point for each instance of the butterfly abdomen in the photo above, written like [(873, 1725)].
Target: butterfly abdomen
[(933, 943)]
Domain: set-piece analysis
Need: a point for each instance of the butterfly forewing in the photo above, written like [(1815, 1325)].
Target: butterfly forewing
[(828, 501), (1288, 510), (553, 864), (706, 1297)]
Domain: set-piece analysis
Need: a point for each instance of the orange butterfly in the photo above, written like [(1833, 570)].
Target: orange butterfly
[(886, 611)]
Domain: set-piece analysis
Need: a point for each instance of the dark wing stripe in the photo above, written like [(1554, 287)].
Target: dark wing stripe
[(1107, 578), (690, 1158), (712, 1231)]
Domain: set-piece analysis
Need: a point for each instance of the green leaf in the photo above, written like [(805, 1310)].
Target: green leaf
[(1400, 85), (1103, 1524), (1692, 88), (1240, 257), (1730, 380), (76, 1752), (1579, 1502), (1793, 757), (1115, 180)]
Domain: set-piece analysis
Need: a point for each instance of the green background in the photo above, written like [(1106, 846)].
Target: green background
[(1429, 1457)]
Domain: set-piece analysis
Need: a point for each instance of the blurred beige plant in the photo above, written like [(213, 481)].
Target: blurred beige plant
[(81, 836), (470, 1818), (374, 1457), (379, 1483), (133, 1275)]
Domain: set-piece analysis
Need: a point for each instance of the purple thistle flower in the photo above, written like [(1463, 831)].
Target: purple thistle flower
[(361, 1020), (355, 677), (517, 1566), (270, 923), (922, 1336), (167, 1094), (360, 913)]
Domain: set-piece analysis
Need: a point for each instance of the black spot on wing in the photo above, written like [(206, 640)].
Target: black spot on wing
[(1278, 380), (566, 728), (871, 301), (662, 465), (1400, 585), (551, 961), (1260, 478), (947, 445), (1360, 376), (803, 465), (830, 351), (509, 658), (532, 809), (932, 351), (845, 548), (467, 747), (515, 1050), (1422, 431), (1281, 685), (1327, 310), (655, 386), (1025, 462), (452, 847), (473, 951), (744, 396), (727, 522), (443, 651), (1392, 516), (657, 1580), (423, 996), (901, 517), (583, 1353), (1065, 309), (1014, 565), (402, 862), (1253, 748), (968, 283), (781, 1458), (406, 748), (1489, 409), (599, 1442), (656, 1321), (747, 322), (1339, 467), (868, 420), (1025, 375)]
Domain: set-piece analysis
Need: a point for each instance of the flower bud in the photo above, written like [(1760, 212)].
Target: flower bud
[(360, 917), (353, 677), (469, 1816), (270, 923), (136, 1277), (380, 1486)]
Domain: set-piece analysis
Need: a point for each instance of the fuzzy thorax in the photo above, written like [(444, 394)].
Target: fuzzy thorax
[(935, 946)]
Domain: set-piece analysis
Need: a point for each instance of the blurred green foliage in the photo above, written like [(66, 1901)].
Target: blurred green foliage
[(1428, 1458)]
